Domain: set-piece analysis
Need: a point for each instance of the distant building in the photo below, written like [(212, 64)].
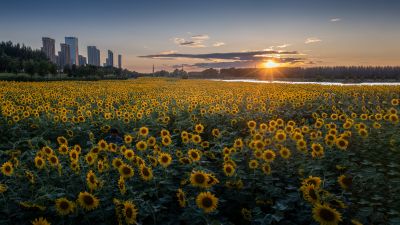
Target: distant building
[(120, 61), (64, 55), (110, 59), (73, 46), (93, 56), (82, 60), (49, 48)]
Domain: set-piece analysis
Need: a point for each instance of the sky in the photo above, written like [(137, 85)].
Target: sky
[(214, 33)]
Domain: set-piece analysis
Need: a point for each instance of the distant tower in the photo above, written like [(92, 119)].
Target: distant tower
[(153, 70), (73, 48), (49, 48), (120, 61)]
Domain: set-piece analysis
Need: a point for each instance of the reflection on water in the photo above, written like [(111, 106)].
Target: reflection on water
[(295, 82)]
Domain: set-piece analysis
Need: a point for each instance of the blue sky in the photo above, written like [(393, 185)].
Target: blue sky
[(351, 32)]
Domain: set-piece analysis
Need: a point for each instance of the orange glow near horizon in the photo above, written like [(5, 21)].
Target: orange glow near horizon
[(271, 64)]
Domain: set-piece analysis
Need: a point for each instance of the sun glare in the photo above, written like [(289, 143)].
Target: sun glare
[(270, 64)]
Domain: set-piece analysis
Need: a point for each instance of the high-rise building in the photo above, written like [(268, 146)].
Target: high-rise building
[(82, 60), (120, 61), (93, 56), (64, 55), (110, 59), (73, 47), (49, 48)]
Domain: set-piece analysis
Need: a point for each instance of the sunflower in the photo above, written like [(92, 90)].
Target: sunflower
[(47, 150), (121, 185), (253, 164), (151, 141), (194, 154), (130, 212), (180, 194), (166, 140), (64, 206), (90, 158), (7, 168), (73, 155), (128, 139), (199, 128), (363, 133), (88, 201), (102, 145), (141, 145), (126, 171), (280, 136), (30, 176), (207, 201), (199, 179), (40, 221), (355, 222), (117, 162), (129, 154), (285, 153), (3, 188), (63, 149), (185, 160), (53, 160), (341, 143), (216, 133), (326, 215), (164, 159), (310, 193), (238, 143), (40, 163), (316, 181), (146, 173), (144, 131), (228, 169), (259, 145), (62, 140), (345, 182), (251, 124), (266, 168), (165, 133), (196, 138), (269, 156), (92, 181)]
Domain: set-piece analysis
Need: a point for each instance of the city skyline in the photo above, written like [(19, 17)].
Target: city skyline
[(69, 54), (228, 34)]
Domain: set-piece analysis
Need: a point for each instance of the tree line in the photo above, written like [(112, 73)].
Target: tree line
[(16, 58), (357, 73)]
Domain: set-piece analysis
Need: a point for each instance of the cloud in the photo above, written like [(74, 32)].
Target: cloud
[(218, 44), (312, 40), (246, 64), (168, 52), (200, 37), (283, 46), (189, 43), (336, 19), (250, 55)]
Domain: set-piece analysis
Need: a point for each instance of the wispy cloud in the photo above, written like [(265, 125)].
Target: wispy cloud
[(235, 59), (189, 43), (168, 52), (283, 46), (336, 19), (251, 55), (200, 37), (218, 44), (312, 40)]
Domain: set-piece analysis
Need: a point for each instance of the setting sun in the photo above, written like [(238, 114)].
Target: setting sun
[(270, 64)]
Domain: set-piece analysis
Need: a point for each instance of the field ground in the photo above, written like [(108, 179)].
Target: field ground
[(198, 152)]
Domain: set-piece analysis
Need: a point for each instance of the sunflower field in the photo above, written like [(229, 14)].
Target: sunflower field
[(198, 152)]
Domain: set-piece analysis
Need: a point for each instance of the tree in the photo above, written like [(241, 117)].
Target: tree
[(43, 68), (29, 67), (67, 70), (53, 69)]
